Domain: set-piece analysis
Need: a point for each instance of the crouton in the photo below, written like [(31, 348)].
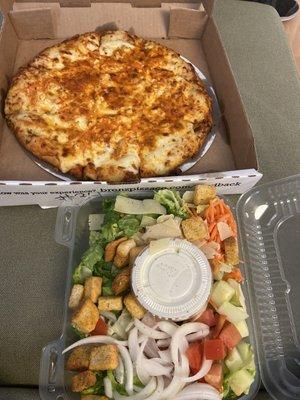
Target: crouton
[(93, 397), (83, 381), (104, 357), (231, 251), (122, 281), (194, 228), (133, 306), (122, 254), (134, 252), (86, 317), (110, 303), (215, 266), (111, 248), (92, 288), (203, 194), (79, 359), (76, 295)]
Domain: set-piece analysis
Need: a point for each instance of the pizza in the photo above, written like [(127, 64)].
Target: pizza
[(109, 106)]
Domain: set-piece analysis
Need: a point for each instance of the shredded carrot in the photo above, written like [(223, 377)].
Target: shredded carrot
[(234, 274), (218, 211)]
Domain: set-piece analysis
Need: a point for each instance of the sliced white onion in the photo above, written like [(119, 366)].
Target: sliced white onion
[(141, 395), (150, 332), (156, 369), (137, 388), (109, 315), (159, 389), (142, 373), (164, 342), (180, 333), (183, 345), (129, 326), (108, 390), (176, 384), (101, 339), (192, 337), (168, 327), (128, 368), (133, 345), (149, 320), (205, 367), (151, 349), (160, 361), (198, 391), (165, 355), (120, 371)]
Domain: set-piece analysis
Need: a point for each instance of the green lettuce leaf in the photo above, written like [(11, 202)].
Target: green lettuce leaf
[(171, 199), (129, 224), (98, 388), (116, 386)]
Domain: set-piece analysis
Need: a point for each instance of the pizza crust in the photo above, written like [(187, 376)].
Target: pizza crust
[(109, 106)]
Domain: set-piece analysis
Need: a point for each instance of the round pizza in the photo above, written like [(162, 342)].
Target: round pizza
[(109, 106)]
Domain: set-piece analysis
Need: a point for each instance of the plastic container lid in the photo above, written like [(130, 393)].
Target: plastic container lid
[(174, 282), (269, 223)]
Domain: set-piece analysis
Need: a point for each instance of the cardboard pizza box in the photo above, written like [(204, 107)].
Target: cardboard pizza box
[(189, 28)]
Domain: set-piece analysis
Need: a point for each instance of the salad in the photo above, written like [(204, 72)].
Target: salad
[(125, 353)]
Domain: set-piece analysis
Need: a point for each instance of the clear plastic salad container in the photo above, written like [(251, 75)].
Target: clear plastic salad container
[(269, 224), (72, 230)]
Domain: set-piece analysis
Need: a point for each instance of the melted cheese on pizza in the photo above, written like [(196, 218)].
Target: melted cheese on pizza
[(109, 106)]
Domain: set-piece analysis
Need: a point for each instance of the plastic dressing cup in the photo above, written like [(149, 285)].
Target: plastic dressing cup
[(175, 282)]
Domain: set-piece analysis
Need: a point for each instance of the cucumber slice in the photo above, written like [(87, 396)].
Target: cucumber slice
[(234, 314), (234, 361), (244, 350), (240, 381), (222, 292), (242, 328), (239, 296)]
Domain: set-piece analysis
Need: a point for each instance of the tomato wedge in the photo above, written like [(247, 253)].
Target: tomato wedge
[(214, 349), (207, 317), (221, 319), (214, 377), (100, 328), (193, 354), (230, 336)]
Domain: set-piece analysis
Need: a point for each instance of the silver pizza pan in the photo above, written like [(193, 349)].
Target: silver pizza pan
[(183, 167)]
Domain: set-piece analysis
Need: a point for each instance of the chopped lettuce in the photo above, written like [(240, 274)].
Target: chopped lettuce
[(107, 291), (92, 255), (98, 388), (110, 232), (77, 333), (137, 382), (95, 238), (129, 224), (171, 199), (115, 385), (86, 267), (81, 273)]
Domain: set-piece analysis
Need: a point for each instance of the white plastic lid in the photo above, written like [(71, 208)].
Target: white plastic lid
[(173, 283)]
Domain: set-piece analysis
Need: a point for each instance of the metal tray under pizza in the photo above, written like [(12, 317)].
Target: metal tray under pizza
[(183, 167)]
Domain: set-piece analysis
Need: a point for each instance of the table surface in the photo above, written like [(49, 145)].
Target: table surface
[(22, 239)]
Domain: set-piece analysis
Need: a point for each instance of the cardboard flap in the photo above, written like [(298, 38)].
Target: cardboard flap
[(6, 5), (37, 23), (75, 3), (186, 23), (240, 136), (209, 6)]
